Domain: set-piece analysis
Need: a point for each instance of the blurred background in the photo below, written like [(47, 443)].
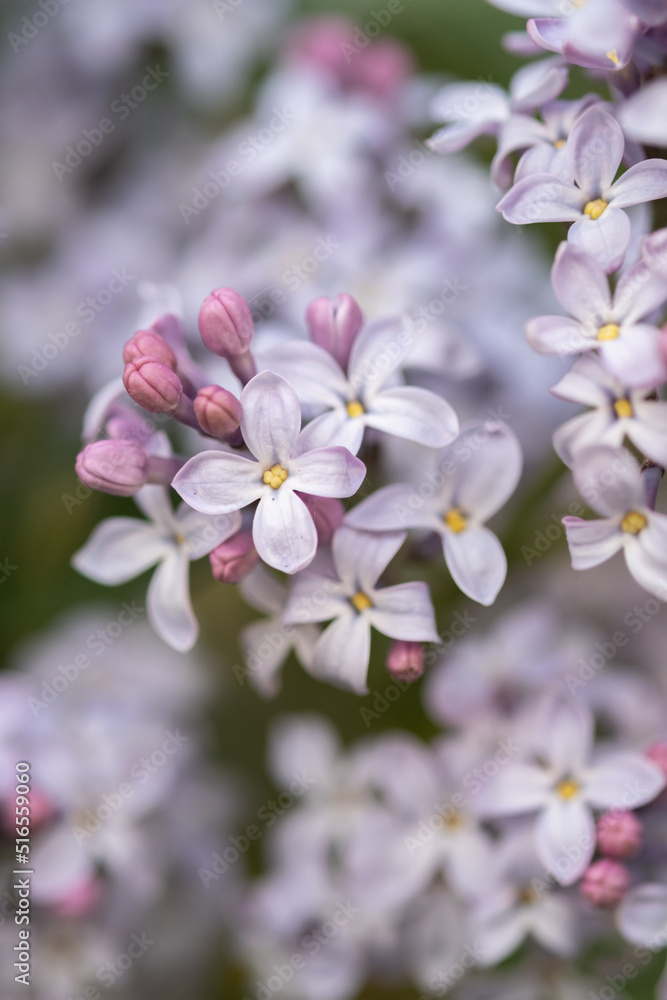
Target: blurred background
[(103, 225)]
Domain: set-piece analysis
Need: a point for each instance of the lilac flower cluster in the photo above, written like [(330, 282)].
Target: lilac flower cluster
[(610, 275), (436, 862), (270, 459)]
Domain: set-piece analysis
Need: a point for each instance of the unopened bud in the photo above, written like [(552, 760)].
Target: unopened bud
[(225, 323), (152, 385), (333, 324), (149, 343), (619, 834), (327, 513), (605, 883), (657, 752), (117, 466), (81, 899), (406, 660), (382, 69), (232, 560), (218, 411)]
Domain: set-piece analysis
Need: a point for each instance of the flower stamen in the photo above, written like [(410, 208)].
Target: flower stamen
[(455, 520), (361, 602), (595, 208), (275, 476), (623, 408), (567, 788), (355, 409), (610, 331), (633, 522)]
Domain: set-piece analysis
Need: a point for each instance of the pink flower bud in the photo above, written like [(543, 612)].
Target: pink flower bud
[(225, 323), (658, 754), (149, 343), (80, 900), (406, 660), (218, 411), (327, 513), (232, 560), (152, 385), (619, 834), (605, 883), (319, 43), (382, 69), (41, 810), (333, 324), (117, 466)]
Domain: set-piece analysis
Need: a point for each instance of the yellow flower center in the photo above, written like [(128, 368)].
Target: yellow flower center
[(527, 896), (567, 788), (455, 520), (275, 476), (559, 143), (610, 331), (361, 601), (454, 821), (633, 522), (595, 208), (355, 409), (613, 55), (623, 408)]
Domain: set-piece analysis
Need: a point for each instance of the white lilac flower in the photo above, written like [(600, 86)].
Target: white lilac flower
[(564, 785), (597, 34), (472, 480), (630, 348), (364, 396), (593, 201), (121, 548), (641, 919), (615, 413), (518, 903), (352, 601), (611, 482), (268, 642), (219, 482)]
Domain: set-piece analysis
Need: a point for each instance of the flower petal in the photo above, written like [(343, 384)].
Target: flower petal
[(488, 462), (271, 418), (565, 839), (168, 602), (327, 472), (477, 562), (121, 548), (362, 556), (312, 372), (216, 482), (202, 532), (646, 556), (645, 181), (605, 238), (394, 508), (623, 781), (342, 652), (404, 612), (595, 150), (334, 428), (413, 413), (580, 284), (609, 479), (635, 357), (515, 789), (642, 915), (377, 353), (284, 532), (541, 198), (559, 335), (592, 542)]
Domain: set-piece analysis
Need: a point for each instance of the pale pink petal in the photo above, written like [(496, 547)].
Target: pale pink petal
[(284, 532), (327, 472), (216, 482), (609, 479), (541, 198), (580, 284), (595, 150), (559, 335), (477, 562), (378, 352), (413, 413), (271, 418), (404, 612), (334, 428), (635, 357), (362, 556), (342, 652), (605, 238), (394, 508), (622, 781), (168, 602), (203, 532), (645, 181), (592, 542), (565, 839)]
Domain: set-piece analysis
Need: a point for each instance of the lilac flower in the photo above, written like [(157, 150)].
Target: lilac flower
[(361, 398), (597, 34), (217, 482), (593, 202), (354, 602), (474, 477), (474, 109), (610, 480), (514, 906), (616, 414), (642, 916), (642, 115), (566, 785), (121, 548), (629, 348)]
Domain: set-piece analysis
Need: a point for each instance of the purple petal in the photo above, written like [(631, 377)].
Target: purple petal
[(342, 652), (646, 181), (595, 150), (203, 532), (315, 376), (377, 353), (580, 284), (648, 432), (606, 238), (215, 482), (541, 198), (588, 382), (488, 463), (538, 82), (119, 549), (271, 418), (635, 356), (361, 556), (642, 115), (646, 556), (404, 612), (413, 413), (639, 292), (623, 781), (334, 428), (586, 430), (477, 562), (548, 32), (559, 335), (168, 602), (392, 508), (314, 598), (475, 104), (609, 480), (284, 532), (592, 542), (327, 472)]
